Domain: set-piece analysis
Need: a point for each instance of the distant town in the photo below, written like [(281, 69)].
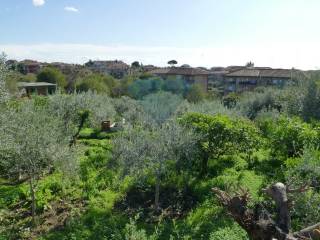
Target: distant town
[(222, 79)]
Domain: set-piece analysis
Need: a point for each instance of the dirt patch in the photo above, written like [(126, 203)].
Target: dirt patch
[(174, 203)]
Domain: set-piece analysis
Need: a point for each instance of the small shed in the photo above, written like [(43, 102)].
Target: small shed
[(39, 88)]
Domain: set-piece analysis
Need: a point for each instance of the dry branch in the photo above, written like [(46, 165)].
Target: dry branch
[(260, 226)]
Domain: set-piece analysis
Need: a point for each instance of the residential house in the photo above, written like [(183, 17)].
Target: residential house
[(117, 69), (249, 78), (190, 75), (148, 68), (38, 88), (216, 79), (29, 66)]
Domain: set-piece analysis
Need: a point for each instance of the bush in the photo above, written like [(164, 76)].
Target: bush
[(289, 136), (195, 93), (229, 233), (95, 82), (52, 75)]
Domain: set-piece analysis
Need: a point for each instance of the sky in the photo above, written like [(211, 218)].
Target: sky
[(275, 33)]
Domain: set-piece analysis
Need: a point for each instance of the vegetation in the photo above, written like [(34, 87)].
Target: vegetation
[(52, 75), (172, 62), (151, 175)]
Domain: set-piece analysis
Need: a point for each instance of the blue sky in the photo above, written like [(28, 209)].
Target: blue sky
[(278, 33)]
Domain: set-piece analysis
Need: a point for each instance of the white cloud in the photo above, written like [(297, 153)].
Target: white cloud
[(38, 3), (286, 55), (71, 9)]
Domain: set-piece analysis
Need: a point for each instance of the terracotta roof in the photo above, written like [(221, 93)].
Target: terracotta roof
[(29, 62), (263, 72), (112, 64), (179, 71)]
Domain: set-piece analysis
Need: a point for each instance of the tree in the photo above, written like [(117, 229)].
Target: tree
[(258, 224), (174, 85), (253, 102), (221, 136), (129, 109), (33, 142), (140, 88), (52, 75), (70, 108), (95, 82), (89, 63), (195, 94), (249, 64), (141, 150), (261, 221), (230, 101), (172, 63), (289, 136), (4, 93), (135, 64), (311, 102), (161, 106)]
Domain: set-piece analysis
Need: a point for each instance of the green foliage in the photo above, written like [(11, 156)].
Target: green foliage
[(144, 86), (129, 109), (289, 136), (4, 94), (174, 85), (213, 107), (222, 136), (52, 75), (140, 88), (231, 179), (161, 106), (69, 106), (135, 64), (172, 62), (104, 200), (141, 151), (311, 102), (160, 148), (195, 94), (49, 190), (132, 232), (229, 233), (230, 101), (252, 103), (97, 83), (11, 195)]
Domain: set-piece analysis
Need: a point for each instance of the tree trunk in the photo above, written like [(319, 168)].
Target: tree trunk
[(204, 165), (33, 200), (278, 192), (258, 224), (157, 192)]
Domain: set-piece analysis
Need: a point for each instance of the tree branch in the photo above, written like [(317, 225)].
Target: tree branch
[(312, 232)]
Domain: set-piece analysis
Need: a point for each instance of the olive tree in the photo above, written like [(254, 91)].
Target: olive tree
[(141, 150), (69, 106), (129, 109), (4, 94), (33, 142), (160, 107)]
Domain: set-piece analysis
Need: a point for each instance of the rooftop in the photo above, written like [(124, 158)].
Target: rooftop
[(263, 72), (36, 84), (180, 71)]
